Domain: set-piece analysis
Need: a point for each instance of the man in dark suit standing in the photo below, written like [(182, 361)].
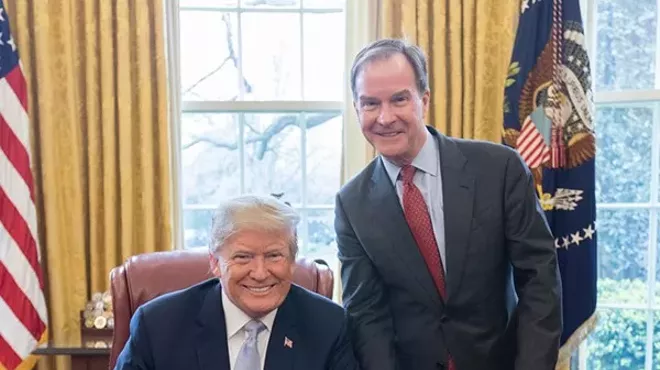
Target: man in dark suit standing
[(252, 317), (437, 235)]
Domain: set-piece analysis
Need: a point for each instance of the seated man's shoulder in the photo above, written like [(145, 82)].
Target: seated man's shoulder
[(314, 305), (179, 303)]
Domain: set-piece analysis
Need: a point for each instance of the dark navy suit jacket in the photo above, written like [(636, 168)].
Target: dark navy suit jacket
[(185, 330)]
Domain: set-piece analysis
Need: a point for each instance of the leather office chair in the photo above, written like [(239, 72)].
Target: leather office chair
[(147, 276)]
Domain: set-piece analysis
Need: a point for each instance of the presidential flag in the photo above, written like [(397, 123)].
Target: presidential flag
[(548, 118), (23, 317)]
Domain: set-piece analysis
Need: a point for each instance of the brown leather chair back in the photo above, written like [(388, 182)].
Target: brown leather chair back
[(147, 276)]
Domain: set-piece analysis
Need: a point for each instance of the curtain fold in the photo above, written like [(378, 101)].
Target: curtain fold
[(98, 108)]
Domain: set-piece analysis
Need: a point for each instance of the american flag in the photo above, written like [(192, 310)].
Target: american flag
[(23, 318), (531, 145), (549, 92)]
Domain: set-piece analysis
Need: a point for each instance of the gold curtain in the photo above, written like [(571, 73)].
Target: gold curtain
[(468, 44), (100, 141)]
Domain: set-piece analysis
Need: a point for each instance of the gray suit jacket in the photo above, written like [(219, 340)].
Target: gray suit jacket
[(498, 244)]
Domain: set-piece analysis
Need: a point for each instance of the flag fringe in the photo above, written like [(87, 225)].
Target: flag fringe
[(574, 341)]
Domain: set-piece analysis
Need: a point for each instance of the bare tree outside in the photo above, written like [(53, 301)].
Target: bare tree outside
[(271, 142)]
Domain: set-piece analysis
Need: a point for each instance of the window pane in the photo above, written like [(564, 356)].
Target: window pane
[(208, 3), (626, 44), (623, 254), (657, 280), (323, 52), (322, 243), (196, 227), (210, 158), (209, 69), (656, 341), (273, 155), (323, 157), (623, 163), (325, 4), (287, 4), (619, 341), (271, 56)]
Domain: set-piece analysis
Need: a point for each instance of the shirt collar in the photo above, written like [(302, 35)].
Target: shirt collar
[(235, 318), (427, 160)]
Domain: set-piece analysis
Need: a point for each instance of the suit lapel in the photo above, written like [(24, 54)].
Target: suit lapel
[(281, 345), (397, 239), (458, 198), (212, 351)]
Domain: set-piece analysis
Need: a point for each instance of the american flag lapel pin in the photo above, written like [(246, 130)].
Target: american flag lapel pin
[(288, 342)]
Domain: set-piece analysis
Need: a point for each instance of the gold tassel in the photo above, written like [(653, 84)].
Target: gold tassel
[(572, 344)]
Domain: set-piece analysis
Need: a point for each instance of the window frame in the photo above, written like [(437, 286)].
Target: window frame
[(628, 98), (179, 107)]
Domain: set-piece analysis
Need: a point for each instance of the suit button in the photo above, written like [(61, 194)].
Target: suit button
[(444, 319), (440, 366)]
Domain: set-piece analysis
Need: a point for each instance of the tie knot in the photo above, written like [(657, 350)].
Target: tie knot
[(407, 173), (254, 327)]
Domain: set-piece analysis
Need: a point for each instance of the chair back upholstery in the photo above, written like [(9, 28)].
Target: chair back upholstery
[(144, 277)]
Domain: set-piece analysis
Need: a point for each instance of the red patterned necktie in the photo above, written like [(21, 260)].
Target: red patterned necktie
[(419, 220)]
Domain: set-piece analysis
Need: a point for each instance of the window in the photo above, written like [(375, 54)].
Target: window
[(261, 86), (623, 39)]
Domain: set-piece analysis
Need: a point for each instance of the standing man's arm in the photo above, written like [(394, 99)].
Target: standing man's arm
[(532, 252), (365, 299), (343, 353)]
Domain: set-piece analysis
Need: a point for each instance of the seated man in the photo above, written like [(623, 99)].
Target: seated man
[(252, 317)]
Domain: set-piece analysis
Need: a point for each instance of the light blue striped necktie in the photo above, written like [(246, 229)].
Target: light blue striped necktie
[(248, 357)]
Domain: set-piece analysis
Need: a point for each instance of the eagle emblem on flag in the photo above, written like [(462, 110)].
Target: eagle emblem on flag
[(557, 129)]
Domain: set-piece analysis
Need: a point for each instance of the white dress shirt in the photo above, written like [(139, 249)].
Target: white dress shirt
[(235, 320)]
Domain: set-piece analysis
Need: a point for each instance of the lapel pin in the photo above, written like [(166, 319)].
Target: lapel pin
[(288, 342)]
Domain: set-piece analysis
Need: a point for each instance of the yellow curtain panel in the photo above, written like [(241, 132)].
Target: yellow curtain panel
[(100, 141)]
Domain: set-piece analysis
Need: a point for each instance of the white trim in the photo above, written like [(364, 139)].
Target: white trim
[(239, 46), (260, 10), (628, 206), (241, 151), (653, 231), (628, 306), (623, 97), (261, 106), (173, 72), (591, 36), (657, 58), (304, 219), (301, 40)]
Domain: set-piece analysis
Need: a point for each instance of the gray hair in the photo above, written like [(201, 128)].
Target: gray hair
[(253, 212), (386, 48)]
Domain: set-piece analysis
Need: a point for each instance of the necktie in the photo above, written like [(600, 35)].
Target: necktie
[(419, 220), (248, 357)]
